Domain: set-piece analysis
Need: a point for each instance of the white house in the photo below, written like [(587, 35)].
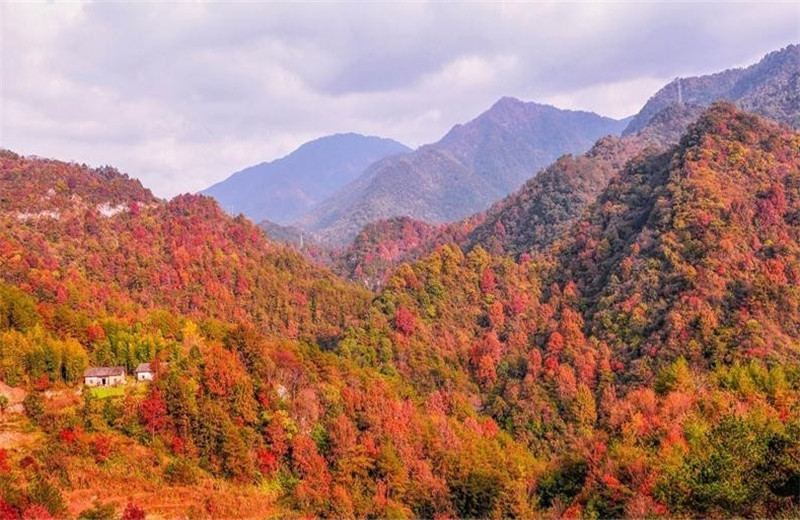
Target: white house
[(104, 376), (144, 372)]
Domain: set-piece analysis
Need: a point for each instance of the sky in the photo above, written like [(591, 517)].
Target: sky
[(181, 94)]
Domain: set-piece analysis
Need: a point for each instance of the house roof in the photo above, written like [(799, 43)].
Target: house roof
[(143, 367), (104, 371)]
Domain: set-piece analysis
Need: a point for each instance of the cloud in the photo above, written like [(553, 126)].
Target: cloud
[(182, 94)]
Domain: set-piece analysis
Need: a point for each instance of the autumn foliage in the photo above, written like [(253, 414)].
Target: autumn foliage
[(644, 364)]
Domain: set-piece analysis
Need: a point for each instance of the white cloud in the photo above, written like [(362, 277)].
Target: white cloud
[(183, 94), (619, 99)]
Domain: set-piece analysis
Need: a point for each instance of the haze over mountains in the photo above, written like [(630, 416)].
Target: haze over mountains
[(536, 215), (770, 87), (330, 188), (284, 189), (469, 168)]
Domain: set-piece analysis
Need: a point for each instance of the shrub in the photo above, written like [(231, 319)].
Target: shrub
[(98, 512), (132, 512), (33, 404), (181, 471), (45, 494)]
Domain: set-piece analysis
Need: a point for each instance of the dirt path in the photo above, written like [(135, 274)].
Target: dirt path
[(15, 397)]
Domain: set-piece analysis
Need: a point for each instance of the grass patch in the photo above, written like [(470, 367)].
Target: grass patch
[(104, 392)]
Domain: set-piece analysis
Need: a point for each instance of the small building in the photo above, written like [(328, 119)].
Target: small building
[(104, 376), (144, 372)]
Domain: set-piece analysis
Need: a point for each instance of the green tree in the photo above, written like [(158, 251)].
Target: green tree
[(33, 404), (476, 495)]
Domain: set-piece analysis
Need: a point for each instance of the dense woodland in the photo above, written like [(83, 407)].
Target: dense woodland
[(643, 363)]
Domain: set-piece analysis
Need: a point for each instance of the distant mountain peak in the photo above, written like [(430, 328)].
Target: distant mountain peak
[(770, 88), (508, 102), (284, 189), (473, 165)]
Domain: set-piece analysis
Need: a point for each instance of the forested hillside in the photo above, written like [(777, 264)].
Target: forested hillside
[(527, 221), (644, 364), (250, 412), (649, 360)]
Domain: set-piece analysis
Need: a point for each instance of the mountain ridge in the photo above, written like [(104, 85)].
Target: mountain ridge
[(283, 189), (537, 214), (770, 87), (638, 367), (471, 166)]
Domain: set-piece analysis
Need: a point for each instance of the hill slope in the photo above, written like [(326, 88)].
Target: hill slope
[(250, 412), (97, 241), (770, 88), (472, 166), (285, 189), (696, 252), (652, 353), (646, 365)]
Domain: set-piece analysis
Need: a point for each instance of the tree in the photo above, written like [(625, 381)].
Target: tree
[(33, 404), (584, 409), (17, 309), (488, 282), (404, 321), (153, 411), (476, 495), (132, 512), (314, 489), (237, 462)]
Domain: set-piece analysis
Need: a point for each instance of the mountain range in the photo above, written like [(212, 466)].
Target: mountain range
[(770, 87), (539, 212), (473, 165), (285, 189), (476, 163), (618, 339)]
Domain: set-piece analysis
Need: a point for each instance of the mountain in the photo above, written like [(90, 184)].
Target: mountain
[(770, 88), (285, 189), (529, 220), (539, 213), (695, 252), (645, 364), (650, 354), (544, 208), (250, 412), (469, 168)]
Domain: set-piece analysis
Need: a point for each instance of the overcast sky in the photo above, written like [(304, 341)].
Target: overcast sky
[(182, 94)]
